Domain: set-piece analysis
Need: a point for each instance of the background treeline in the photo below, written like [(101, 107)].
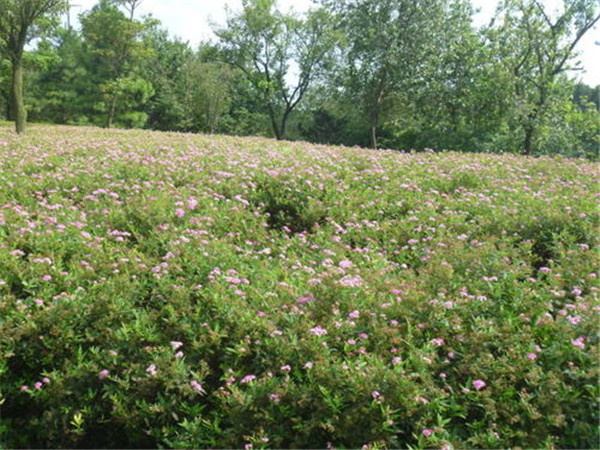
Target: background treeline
[(402, 74)]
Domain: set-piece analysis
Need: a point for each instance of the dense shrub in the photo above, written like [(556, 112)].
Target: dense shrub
[(186, 291)]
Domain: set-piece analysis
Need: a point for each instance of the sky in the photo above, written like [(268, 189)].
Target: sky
[(192, 21)]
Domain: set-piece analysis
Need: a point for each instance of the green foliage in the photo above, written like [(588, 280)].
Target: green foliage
[(114, 51), (20, 22), (263, 43), (394, 74), (170, 290)]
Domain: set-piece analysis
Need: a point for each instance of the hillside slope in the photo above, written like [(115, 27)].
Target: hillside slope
[(161, 289)]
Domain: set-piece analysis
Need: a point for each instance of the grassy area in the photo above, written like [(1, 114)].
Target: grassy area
[(176, 290)]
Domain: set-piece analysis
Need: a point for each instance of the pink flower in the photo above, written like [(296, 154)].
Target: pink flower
[(318, 331), (192, 203), (248, 379), (103, 374), (437, 341), (308, 365), (176, 344), (179, 212), (45, 380), (179, 354), (350, 281), (345, 264), (479, 384), (151, 369), (261, 314), (38, 385), (286, 368), (274, 397), (24, 388), (375, 394), (46, 277), (579, 342), (531, 356), (427, 432), (197, 387), (354, 314)]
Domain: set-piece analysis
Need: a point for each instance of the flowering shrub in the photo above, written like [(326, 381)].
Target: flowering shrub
[(193, 291)]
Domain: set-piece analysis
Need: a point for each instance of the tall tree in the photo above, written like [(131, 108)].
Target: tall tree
[(537, 47), (265, 44), (20, 21), (115, 49), (387, 45)]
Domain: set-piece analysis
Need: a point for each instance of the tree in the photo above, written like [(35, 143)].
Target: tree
[(61, 91), (20, 21), (387, 45), (265, 44), (130, 6), (115, 49), (537, 48)]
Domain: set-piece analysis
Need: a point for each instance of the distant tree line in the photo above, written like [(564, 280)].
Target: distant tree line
[(400, 74)]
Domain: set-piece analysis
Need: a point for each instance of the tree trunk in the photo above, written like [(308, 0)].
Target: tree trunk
[(276, 129), (528, 142), (283, 127), (18, 105), (374, 136), (111, 112)]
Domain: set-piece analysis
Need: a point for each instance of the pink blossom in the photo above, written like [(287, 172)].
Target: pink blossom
[(531, 356), (308, 365), (351, 281), (375, 394), (479, 384), (103, 374), (192, 203), (579, 342), (427, 432), (180, 212), (151, 369), (197, 387), (437, 342), (354, 314), (318, 331), (248, 379), (176, 344), (286, 368), (574, 320), (38, 385)]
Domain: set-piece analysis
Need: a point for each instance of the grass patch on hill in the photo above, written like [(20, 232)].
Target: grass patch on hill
[(161, 289)]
